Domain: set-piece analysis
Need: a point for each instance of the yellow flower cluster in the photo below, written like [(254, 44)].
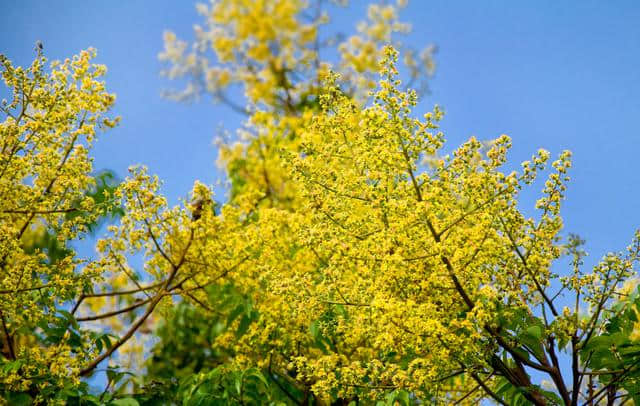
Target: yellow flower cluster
[(379, 263), (368, 260), (272, 49), (49, 126), (379, 272)]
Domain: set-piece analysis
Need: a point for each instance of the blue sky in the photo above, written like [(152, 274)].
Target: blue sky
[(557, 75)]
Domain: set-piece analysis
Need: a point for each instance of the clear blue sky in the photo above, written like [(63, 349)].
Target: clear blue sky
[(558, 75)]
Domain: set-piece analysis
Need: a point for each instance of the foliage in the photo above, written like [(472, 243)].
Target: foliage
[(355, 261), (45, 182)]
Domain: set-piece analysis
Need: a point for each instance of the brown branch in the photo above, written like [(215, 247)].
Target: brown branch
[(330, 189), (593, 321), (346, 303), (126, 272), (24, 211), (282, 388), (523, 259), (8, 337), (115, 312), (464, 215), (596, 373), (124, 292), (556, 374), (156, 243), (574, 369), (371, 386), (221, 96), (416, 187), (487, 390), (152, 305), (603, 391), (475, 388), (12, 291), (199, 302), (518, 376), (44, 286), (475, 376), (93, 364), (58, 169), (77, 305), (221, 275)]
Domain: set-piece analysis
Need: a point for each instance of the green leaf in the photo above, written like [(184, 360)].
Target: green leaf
[(598, 342), (257, 374), (238, 384), (239, 309), (243, 326), (125, 402), (314, 330), (551, 397), (535, 331), (18, 399), (12, 366)]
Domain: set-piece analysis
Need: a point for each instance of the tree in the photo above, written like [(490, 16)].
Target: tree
[(262, 181), (282, 88), (57, 325), (354, 262), (48, 199), (409, 274)]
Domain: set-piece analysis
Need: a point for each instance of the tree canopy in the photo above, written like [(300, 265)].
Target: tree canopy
[(358, 258)]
